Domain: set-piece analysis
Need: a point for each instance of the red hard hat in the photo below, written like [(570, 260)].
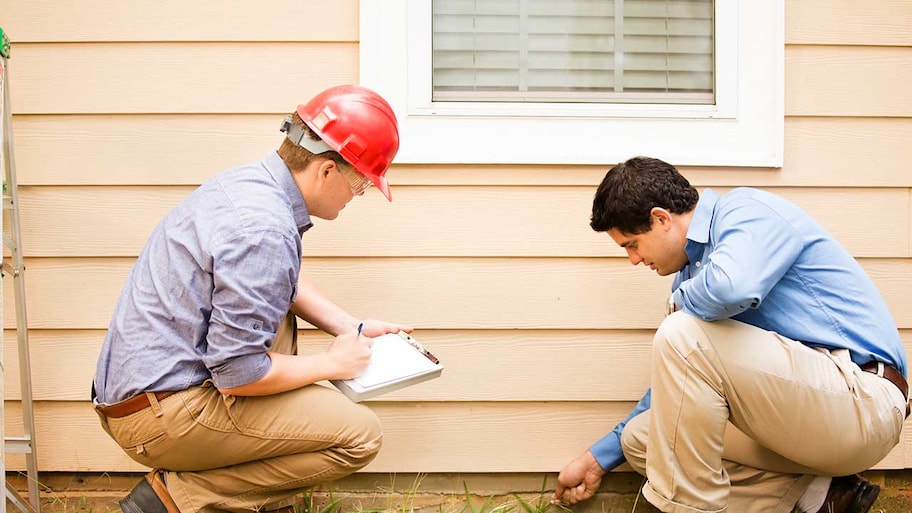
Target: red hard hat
[(358, 124)]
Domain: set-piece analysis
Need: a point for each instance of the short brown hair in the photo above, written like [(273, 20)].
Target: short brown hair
[(297, 157), (630, 191)]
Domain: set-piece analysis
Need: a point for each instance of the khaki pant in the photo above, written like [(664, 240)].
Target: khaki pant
[(239, 454), (742, 419)]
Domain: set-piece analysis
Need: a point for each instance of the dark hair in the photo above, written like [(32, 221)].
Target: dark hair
[(630, 191)]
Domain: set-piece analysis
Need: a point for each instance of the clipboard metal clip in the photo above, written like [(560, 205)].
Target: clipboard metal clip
[(414, 343)]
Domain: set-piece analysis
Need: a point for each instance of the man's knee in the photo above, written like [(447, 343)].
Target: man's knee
[(632, 443), (670, 334), (634, 438), (367, 441)]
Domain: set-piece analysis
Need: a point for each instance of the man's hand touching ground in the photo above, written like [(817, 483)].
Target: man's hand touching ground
[(578, 480)]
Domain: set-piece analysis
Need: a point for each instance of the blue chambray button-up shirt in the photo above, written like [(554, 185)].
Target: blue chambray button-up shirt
[(210, 288), (759, 259)]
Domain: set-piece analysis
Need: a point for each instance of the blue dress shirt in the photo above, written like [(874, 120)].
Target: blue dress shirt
[(210, 288), (759, 259)]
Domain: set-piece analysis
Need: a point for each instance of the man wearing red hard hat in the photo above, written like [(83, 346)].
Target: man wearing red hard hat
[(198, 377)]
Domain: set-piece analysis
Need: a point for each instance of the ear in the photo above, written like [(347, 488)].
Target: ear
[(661, 217), (325, 168)]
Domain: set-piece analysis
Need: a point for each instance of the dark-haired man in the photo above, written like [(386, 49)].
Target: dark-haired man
[(778, 367)]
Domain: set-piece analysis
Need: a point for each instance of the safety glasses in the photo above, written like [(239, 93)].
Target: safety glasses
[(357, 182)]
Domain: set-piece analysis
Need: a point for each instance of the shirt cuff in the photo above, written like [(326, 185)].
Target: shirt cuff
[(241, 370), (607, 451)]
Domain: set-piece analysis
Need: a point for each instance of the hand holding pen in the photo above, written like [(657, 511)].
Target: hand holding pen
[(349, 355)]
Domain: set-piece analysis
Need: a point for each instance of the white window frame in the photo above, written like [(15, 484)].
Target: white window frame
[(743, 128)]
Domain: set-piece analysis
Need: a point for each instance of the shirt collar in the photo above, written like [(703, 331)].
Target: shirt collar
[(282, 175), (700, 222)]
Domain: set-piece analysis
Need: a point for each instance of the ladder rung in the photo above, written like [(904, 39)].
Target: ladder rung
[(18, 445), (9, 269)]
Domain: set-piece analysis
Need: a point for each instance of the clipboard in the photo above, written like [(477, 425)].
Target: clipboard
[(397, 361)]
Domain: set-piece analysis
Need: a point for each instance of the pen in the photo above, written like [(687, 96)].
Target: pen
[(360, 327)]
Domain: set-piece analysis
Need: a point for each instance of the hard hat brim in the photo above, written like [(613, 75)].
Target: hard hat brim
[(383, 185)]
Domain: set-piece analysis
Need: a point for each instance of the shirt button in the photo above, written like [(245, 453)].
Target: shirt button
[(697, 264)]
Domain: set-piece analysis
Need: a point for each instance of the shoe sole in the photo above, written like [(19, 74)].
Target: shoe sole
[(128, 505)]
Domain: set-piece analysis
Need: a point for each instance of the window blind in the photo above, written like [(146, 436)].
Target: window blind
[(624, 51)]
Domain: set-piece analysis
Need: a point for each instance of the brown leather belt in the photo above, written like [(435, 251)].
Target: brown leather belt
[(130, 406), (892, 375)]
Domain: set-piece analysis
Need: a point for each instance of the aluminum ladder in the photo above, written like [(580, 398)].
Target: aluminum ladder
[(14, 266)]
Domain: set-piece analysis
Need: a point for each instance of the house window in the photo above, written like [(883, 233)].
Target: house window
[(694, 82), (590, 51)]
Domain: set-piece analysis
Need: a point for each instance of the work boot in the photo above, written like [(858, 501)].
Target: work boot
[(149, 496), (850, 494)]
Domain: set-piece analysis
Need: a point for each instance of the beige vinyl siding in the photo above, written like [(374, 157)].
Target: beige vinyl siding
[(572, 357), (418, 438), (456, 228), (175, 20), (848, 23), (544, 327), (234, 78), (432, 292), (447, 437), (846, 152), (178, 77)]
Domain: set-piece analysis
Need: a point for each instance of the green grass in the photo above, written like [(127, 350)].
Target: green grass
[(407, 501), (541, 503), (619, 495)]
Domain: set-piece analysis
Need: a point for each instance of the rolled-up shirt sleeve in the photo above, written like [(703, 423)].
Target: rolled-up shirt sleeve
[(255, 274)]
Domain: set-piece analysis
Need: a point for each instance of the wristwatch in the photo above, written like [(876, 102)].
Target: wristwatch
[(670, 306)]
